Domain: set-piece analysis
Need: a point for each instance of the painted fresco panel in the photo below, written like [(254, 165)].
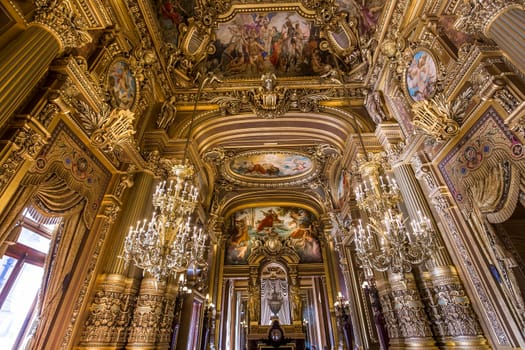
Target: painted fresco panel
[(367, 12), (172, 13), (271, 165), (122, 85), (280, 42), (294, 225), (343, 188), (421, 76)]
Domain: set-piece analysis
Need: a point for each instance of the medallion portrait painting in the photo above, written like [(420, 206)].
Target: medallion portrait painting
[(271, 165), (421, 76), (122, 85), (251, 227)]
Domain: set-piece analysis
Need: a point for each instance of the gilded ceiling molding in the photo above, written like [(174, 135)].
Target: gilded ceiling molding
[(271, 101), (61, 18), (80, 81)]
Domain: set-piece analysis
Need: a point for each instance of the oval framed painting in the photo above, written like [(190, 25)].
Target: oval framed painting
[(421, 76), (121, 84), (271, 168), (271, 165)]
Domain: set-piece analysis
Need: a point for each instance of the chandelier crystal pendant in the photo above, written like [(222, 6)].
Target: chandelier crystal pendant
[(168, 244), (385, 242)]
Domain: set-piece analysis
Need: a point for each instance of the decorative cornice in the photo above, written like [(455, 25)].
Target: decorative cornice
[(475, 17), (60, 18)]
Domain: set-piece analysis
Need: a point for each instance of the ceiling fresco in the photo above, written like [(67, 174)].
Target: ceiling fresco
[(283, 43), (240, 40), (271, 165)]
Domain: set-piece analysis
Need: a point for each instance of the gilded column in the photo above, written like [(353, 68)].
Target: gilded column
[(500, 20), (26, 59), (413, 328), (145, 326), (453, 320), (111, 311)]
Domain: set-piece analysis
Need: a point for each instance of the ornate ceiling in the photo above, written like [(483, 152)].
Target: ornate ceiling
[(264, 88)]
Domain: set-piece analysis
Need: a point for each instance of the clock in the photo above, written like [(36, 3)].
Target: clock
[(276, 335)]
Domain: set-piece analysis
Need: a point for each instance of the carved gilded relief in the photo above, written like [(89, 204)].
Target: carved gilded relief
[(71, 161)]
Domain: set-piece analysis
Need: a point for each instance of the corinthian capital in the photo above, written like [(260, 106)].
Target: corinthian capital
[(476, 15), (59, 17)]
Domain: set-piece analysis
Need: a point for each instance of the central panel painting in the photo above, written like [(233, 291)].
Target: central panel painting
[(294, 227), (280, 42)]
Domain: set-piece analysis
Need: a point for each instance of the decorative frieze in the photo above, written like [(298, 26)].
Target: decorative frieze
[(144, 328), (109, 314), (409, 310)]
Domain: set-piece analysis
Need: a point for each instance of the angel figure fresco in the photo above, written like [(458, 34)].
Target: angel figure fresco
[(270, 217), (421, 76)]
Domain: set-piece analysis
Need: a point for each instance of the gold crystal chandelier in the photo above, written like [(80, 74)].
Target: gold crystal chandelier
[(385, 242), (168, 244)]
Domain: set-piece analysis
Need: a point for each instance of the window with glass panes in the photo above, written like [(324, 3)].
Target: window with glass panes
[(21, 273)]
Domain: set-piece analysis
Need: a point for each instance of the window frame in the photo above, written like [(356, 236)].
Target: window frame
[(25, 254)]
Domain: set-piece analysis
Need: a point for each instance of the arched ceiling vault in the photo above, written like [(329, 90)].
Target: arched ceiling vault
[(332, 131), (332, 126)]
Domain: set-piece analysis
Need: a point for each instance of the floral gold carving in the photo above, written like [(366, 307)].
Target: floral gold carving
[(29, 142), (437, 117)]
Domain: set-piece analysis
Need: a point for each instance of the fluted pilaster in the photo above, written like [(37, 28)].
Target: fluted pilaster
[(23, 63), (135, 210), (508, 31)]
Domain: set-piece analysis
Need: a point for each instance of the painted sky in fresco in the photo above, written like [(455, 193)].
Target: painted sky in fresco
[(271, 165), (293, 224)]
